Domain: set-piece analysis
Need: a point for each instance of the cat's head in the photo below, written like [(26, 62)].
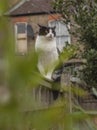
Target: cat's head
[(48, 32)]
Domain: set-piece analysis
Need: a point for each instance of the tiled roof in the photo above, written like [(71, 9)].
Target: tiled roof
[(28, 7)]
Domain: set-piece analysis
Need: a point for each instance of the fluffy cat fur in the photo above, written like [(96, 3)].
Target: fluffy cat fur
[(45, 46)]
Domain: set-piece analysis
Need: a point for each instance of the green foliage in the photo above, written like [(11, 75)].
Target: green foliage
[(68, 52), (90, 71), (82, 15), (20, 77)]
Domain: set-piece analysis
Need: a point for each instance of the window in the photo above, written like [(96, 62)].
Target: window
[(23, 34), (21, 37), (21, 28), (62, 34)]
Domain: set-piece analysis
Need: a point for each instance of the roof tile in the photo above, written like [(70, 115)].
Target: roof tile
[(33, 7)]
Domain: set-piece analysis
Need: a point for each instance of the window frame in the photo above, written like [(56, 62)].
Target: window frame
[(16, 36)]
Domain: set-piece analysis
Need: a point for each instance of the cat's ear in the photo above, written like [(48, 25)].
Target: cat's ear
[(39, 25)]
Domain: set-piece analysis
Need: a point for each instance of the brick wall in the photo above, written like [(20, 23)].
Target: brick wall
[(19, 19)]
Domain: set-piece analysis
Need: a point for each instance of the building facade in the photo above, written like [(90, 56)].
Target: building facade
[(25, 17)]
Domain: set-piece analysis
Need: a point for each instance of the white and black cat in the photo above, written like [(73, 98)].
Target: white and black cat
[(45, 46)]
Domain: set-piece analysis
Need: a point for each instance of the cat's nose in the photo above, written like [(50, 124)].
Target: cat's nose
[(51, 35)]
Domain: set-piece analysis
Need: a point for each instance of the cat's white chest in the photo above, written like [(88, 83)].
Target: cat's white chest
[(45, 44)]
